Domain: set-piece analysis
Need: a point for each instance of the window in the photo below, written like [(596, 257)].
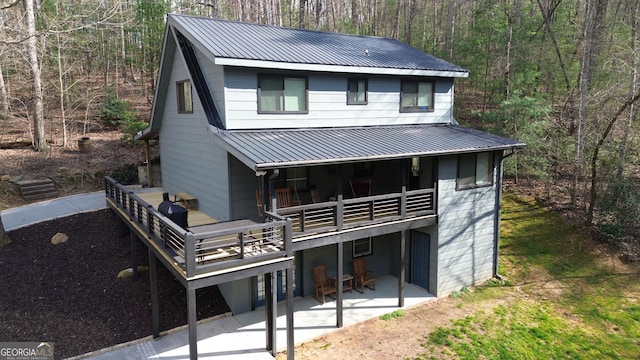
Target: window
[(474, 170), (362, 247), (185, 103), (282, 94), (357, 91), (416, 96)]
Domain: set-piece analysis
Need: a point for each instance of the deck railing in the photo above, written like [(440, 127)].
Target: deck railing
[(219, 246), (349, 213)]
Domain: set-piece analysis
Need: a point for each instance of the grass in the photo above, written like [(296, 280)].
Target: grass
[(563, 298), (392, 315)]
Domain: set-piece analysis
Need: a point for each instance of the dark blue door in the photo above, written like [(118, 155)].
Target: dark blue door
[(420, 243), (281, 286)]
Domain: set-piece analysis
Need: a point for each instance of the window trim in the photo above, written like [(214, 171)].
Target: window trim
[(475, 185), (181, 99), (366, 91), (282, 78), (412, 109)]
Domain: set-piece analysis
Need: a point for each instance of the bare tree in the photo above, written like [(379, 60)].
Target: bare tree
[(40, 142)]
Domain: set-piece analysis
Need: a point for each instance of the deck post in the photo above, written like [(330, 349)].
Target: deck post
[(403, 264), (339, 295), (134, 255), (153, 281), (290, 342), (271, 310), (192, 323)]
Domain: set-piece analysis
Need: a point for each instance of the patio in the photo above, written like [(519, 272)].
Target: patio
[(243, 336)]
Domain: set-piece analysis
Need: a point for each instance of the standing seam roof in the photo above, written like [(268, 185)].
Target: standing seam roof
[(238, 40), (266, 149)]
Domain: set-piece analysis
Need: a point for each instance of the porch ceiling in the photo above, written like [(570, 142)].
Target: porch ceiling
[(269, 149)]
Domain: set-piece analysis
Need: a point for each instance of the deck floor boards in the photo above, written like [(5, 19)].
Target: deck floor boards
[(194, 217)]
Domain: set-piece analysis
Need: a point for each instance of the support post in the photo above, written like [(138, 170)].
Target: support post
[(192, 323), (340, 255), (153, 280), (403, 264), (134, 255), (271, 311), (290, 341)]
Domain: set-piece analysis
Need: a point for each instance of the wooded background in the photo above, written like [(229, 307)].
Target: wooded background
[(560, 75)]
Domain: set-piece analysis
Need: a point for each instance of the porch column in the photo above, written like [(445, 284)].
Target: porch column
[(290, 343), (153, 281), (271, 303), (403, 264), (339, 272), (134, 255), (192, 323)]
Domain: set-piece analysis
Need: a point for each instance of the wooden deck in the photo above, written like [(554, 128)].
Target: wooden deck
[(194, 217)]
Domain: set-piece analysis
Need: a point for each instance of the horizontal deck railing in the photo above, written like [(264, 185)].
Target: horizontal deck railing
[(209, 250), (349, 213)]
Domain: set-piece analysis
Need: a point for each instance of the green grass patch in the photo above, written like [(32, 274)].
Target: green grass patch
[(565, 302), (392, 315)]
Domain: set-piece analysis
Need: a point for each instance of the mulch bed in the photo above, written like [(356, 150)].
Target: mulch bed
[(70, 293)]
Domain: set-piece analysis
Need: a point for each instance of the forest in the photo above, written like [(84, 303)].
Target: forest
[(559, 75)]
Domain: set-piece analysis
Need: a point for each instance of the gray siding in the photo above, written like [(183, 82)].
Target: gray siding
[(465, 244), (190, 159), (214, 75), (327, 103), (243, 190), (238, 295)]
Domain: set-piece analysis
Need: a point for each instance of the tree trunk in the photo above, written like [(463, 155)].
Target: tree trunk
[(5, 96), (634, 79), (40, 142)]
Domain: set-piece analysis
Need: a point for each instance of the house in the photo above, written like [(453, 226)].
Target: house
[(359, 132)]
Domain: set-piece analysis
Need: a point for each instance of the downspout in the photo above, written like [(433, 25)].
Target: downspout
[(498, 207), (149, 167), (272, 194)]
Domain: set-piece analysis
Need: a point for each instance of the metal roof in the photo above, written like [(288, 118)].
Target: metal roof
[(226, 39), (268, 149)]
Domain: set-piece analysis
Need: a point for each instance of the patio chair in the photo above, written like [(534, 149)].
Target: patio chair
[(324, 285), (364, 277), (360, 187), (284, 198)]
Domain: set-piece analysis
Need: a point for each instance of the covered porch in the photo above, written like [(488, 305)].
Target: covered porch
[(242, 336)]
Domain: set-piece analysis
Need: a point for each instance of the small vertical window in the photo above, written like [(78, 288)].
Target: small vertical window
[(281, 94), (357, 91), (416, 96), (185, 102), (474, 170)]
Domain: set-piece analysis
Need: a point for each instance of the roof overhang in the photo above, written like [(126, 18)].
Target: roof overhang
[(270, 149), (263, 64)]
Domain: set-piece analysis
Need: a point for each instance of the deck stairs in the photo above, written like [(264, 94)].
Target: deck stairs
[(37, 189)]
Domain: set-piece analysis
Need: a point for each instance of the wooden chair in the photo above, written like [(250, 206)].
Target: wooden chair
[(364, 277), (315, 196), (360, 187), (284, 198), (324, 285)]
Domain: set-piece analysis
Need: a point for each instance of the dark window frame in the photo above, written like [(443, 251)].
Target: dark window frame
[(409, 109), (366, 91), (181, 98), (261, 77), (474, 184)]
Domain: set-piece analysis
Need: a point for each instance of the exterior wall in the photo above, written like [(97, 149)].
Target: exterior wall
[(242, 190), (328, 107), (214, 75), (190, 159), (238, 295), (466, 223)]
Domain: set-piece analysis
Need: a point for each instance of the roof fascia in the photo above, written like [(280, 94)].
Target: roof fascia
[(164, 74), (263, 64)]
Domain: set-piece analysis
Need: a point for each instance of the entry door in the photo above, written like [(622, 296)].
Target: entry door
[(281, 286), (420, 245)]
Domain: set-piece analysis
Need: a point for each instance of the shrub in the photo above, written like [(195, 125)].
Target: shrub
[(115, 112)]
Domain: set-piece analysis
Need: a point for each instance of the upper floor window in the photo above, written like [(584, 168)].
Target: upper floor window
[(357, 91), (474, 170), (185, 102), (416, 96), (282, 94)]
